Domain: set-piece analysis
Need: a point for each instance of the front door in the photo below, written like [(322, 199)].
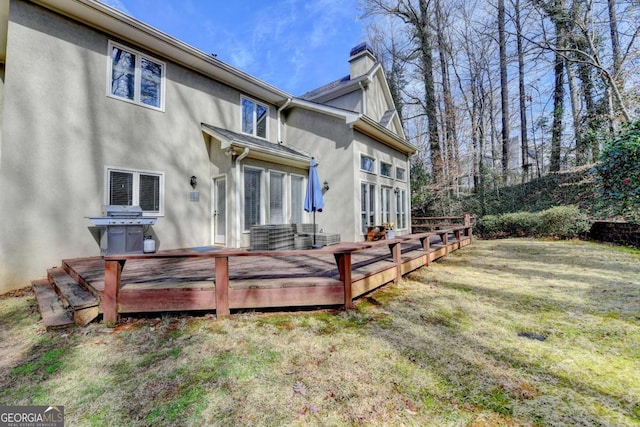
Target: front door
[(219, 211)]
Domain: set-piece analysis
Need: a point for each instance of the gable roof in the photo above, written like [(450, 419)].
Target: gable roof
[(346, 85), (359, 121), (340, 87)]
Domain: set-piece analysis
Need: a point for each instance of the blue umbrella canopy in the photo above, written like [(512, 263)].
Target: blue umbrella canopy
[(313, 201)]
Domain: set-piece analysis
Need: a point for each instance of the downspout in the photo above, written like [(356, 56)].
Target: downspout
[(238, 234), (286, 104)]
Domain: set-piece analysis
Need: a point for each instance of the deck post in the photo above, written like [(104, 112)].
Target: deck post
[(222, 287), (445, 241), (467, 220), (396, 251), (426, 247), (112, 275), (457, 233), (343, 259)]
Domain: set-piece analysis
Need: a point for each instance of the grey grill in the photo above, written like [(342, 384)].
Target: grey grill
[(122, 229)]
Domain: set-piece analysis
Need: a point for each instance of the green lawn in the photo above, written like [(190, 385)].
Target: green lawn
[(506, 332)]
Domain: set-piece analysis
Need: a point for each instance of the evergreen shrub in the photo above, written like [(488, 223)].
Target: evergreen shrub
[(564, 222)]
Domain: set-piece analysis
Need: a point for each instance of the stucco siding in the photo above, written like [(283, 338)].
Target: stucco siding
[(351, 101), (377, 103), (330, 141), (1, 103), (61, 130)]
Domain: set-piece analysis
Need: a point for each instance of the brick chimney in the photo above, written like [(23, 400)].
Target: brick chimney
[(361, 60)]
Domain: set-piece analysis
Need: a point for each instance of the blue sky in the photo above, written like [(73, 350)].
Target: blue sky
[(294, 45)]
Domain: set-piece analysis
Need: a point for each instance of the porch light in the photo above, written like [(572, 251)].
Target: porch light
[(325, 186), (193, 181), (396, 190)]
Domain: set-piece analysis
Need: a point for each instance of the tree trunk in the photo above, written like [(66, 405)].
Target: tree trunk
[(426, 51), (524, 142), (449, 119), (558, 91), (580, 149), (504, 90), (615, 42)]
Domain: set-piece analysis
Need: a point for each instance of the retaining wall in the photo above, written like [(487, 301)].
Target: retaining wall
[(623, 233)]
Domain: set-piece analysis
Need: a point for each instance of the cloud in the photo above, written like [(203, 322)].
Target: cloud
[(116, 4), (242, 58)]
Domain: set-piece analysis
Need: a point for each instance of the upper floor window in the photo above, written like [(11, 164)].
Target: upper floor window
[(254, 118), (136, 188), (385, 169), (401, 174), (367, 164), (135, 77)]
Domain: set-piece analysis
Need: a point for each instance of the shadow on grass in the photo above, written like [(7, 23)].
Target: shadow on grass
[(437, 335)]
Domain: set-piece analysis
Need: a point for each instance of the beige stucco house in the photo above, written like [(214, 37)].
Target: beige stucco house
[(98, 108)]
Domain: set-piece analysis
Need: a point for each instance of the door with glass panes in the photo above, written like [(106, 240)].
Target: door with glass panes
[(219, 211)]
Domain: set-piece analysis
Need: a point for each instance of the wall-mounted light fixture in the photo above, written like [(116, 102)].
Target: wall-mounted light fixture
[(396, 190), (193, 181), (325, 186)]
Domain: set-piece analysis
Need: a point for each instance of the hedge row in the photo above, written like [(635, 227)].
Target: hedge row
[(564, 222)]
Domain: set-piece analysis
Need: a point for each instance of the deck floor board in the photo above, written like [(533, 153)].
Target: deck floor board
[(165, 284)]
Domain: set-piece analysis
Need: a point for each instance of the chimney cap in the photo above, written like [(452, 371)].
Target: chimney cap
[(362, 47)]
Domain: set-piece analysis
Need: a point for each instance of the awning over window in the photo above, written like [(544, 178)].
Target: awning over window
[(258, 148)]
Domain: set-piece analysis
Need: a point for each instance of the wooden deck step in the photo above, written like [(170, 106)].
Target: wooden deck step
[(84, 304), (53, 313), (72, 293)]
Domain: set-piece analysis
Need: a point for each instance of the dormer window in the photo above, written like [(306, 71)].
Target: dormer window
[(254, 118)]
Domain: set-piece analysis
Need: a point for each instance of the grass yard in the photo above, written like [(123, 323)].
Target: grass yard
[(508, 332)]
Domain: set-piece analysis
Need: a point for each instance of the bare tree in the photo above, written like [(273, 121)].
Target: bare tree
[(504, 89), (416, 17), (449, 120), (524, 140)]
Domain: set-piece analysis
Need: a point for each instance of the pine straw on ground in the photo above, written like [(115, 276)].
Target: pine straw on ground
[(509, 332)]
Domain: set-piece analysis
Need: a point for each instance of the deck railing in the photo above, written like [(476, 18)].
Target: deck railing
[(421, 224), (114, 264)]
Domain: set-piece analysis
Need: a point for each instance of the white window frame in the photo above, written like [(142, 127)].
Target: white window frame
[(404, 172), (137, 77), (135, 187), (254, 118), (262, 210), (385, 204), (401, 209), (373, 163), (390, 169), (368, 211), (285, 194)]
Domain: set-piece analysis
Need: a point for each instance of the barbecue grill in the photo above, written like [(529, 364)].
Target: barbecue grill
[(123, 229)]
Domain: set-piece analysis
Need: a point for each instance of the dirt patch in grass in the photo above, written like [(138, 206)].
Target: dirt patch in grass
[(509, 332)]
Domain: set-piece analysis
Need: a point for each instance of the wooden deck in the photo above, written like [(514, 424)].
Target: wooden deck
[(222, 280)]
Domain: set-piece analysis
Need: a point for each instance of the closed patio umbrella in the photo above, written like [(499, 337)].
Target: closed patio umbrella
[(313, 201)]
